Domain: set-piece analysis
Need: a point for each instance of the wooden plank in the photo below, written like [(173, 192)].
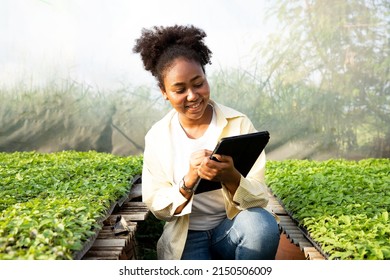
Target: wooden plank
[(109, 243), (303, 244), (296, 238), (112, 233), (295, 231), (286, 218), (313, 254), (134, 204), (104, 255), (87, 258), (309, 249), (108, 229), (132, 212), (131, 225), (95, 253), (278, 210), (140, 216), (289, 227), (284, 224), (107, 248), (316, 257), (288, 221), (136, 217), (111, 236)]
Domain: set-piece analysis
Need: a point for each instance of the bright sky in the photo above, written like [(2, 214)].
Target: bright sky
[(91, 41)]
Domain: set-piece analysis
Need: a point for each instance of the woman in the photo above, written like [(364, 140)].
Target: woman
[(230, 222)]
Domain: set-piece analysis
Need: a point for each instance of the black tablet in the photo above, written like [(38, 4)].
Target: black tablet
[(244, 149)]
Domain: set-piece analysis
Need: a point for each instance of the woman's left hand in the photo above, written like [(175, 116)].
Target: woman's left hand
[(221, 170)]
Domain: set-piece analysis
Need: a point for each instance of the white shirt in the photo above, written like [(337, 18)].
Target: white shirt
[(208, 208)]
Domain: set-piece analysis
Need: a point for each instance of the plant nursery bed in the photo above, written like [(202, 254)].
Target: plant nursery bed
[(52, 206), (341, 207)]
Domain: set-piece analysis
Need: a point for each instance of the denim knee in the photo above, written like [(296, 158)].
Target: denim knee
[(252, 234), (255, 220)]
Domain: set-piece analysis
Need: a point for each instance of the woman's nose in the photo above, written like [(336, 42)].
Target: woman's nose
[(192, 95)]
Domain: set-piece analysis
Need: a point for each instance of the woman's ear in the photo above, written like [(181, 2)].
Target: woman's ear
[(164, 94)]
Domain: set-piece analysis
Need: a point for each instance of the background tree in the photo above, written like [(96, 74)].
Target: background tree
[(322, 78)]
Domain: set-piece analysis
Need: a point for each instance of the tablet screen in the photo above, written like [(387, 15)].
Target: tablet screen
[(244, 149)]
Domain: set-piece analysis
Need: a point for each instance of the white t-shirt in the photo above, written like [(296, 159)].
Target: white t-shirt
[(208, 208)]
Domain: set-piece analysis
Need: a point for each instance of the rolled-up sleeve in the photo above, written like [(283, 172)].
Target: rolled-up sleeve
[(161, 197)]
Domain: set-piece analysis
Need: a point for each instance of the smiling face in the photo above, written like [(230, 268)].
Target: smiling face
[(187, 89)]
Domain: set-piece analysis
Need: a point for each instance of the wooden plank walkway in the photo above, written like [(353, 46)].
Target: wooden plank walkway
[(293, 233), (120, 244)]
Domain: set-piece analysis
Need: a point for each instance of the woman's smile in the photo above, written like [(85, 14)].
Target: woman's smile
[(194, 106)]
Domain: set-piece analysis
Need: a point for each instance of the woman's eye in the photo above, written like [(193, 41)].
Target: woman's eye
[(198, 85), (180, 90)]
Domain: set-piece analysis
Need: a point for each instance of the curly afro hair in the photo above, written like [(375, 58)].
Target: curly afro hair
[(160, 46)]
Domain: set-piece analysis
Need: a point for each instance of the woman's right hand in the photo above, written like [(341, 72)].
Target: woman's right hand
[(196, 159), (192, 176)]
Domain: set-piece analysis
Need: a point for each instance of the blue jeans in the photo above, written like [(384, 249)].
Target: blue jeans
[(252, 235)]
